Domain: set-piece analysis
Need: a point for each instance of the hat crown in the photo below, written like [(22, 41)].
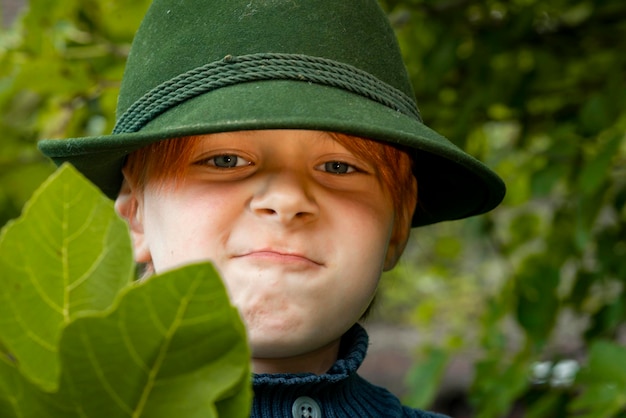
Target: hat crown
[(202, 66), (179, 36)]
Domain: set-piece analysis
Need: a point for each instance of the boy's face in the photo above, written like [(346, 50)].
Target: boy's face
[(299, 228)]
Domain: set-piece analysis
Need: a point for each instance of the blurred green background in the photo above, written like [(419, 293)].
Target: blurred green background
[(531, 296)]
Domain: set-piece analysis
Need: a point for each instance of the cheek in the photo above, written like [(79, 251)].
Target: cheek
[(179, 234), (359, 280), (366, 235), (167, 243), (362, 265)]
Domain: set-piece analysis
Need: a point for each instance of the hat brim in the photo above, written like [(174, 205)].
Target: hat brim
[(451, 183)]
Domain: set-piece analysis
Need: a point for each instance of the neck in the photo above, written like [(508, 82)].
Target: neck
[(316, 362)]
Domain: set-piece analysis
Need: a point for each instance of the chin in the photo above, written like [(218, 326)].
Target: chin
[(278, 342), (276, 349), (268, 326)]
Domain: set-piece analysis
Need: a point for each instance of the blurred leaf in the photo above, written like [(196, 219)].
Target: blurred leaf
[(498, 385), (606, 320), (426, 376), (537, 304), (604, 382), (117, 19), (524, 227), (599, 402), (580, 291), (598, 168), (603, 358), (552, 405), (594, 115), (544, 180)]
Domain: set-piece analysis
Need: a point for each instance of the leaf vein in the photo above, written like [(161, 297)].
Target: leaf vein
[(152, 315), (44, 297), (103, 254), (198, 320), (182, 309), (64, 253), (31, 334), (129, 344), (105, 384), (85, 225)]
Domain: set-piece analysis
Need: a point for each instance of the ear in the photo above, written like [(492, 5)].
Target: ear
[(401, 229), (129, 206), (397, 243)]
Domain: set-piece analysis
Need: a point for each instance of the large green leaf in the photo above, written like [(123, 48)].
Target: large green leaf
[(20, 398), (172, 345), (172, 348), (67, 254)]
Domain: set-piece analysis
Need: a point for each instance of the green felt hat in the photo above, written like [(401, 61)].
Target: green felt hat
[(205, 66)]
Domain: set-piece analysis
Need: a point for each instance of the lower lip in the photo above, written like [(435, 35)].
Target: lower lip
[(278, 258)]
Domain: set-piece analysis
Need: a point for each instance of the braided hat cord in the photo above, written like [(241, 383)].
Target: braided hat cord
[(258, 67)]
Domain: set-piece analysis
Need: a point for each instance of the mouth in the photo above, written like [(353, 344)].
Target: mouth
[(280, 257)]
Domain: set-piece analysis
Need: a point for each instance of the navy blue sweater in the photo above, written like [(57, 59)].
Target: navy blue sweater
[(340, 393)]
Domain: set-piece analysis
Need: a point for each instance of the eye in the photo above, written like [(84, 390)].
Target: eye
[(226, 161), (336, 167)]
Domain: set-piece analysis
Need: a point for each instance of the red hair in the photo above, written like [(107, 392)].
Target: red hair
[(170, 158)]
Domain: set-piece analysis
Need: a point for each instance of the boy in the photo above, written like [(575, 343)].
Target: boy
[(279, 139)]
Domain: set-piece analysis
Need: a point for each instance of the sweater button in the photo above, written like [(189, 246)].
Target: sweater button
[(305, 407)]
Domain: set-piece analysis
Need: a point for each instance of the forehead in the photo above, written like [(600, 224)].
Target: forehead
[(275, 137)]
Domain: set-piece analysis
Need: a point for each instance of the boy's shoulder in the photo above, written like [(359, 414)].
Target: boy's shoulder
[(418, 413), (388, 404)]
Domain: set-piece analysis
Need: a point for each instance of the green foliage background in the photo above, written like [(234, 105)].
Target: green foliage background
[(536, 89)]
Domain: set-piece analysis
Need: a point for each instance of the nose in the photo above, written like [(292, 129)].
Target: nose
[(285, 197)]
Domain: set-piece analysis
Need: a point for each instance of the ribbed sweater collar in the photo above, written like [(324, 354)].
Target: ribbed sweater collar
[(341, 392), (353, 347)]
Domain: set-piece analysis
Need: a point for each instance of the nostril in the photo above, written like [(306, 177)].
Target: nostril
[(283, 197)]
